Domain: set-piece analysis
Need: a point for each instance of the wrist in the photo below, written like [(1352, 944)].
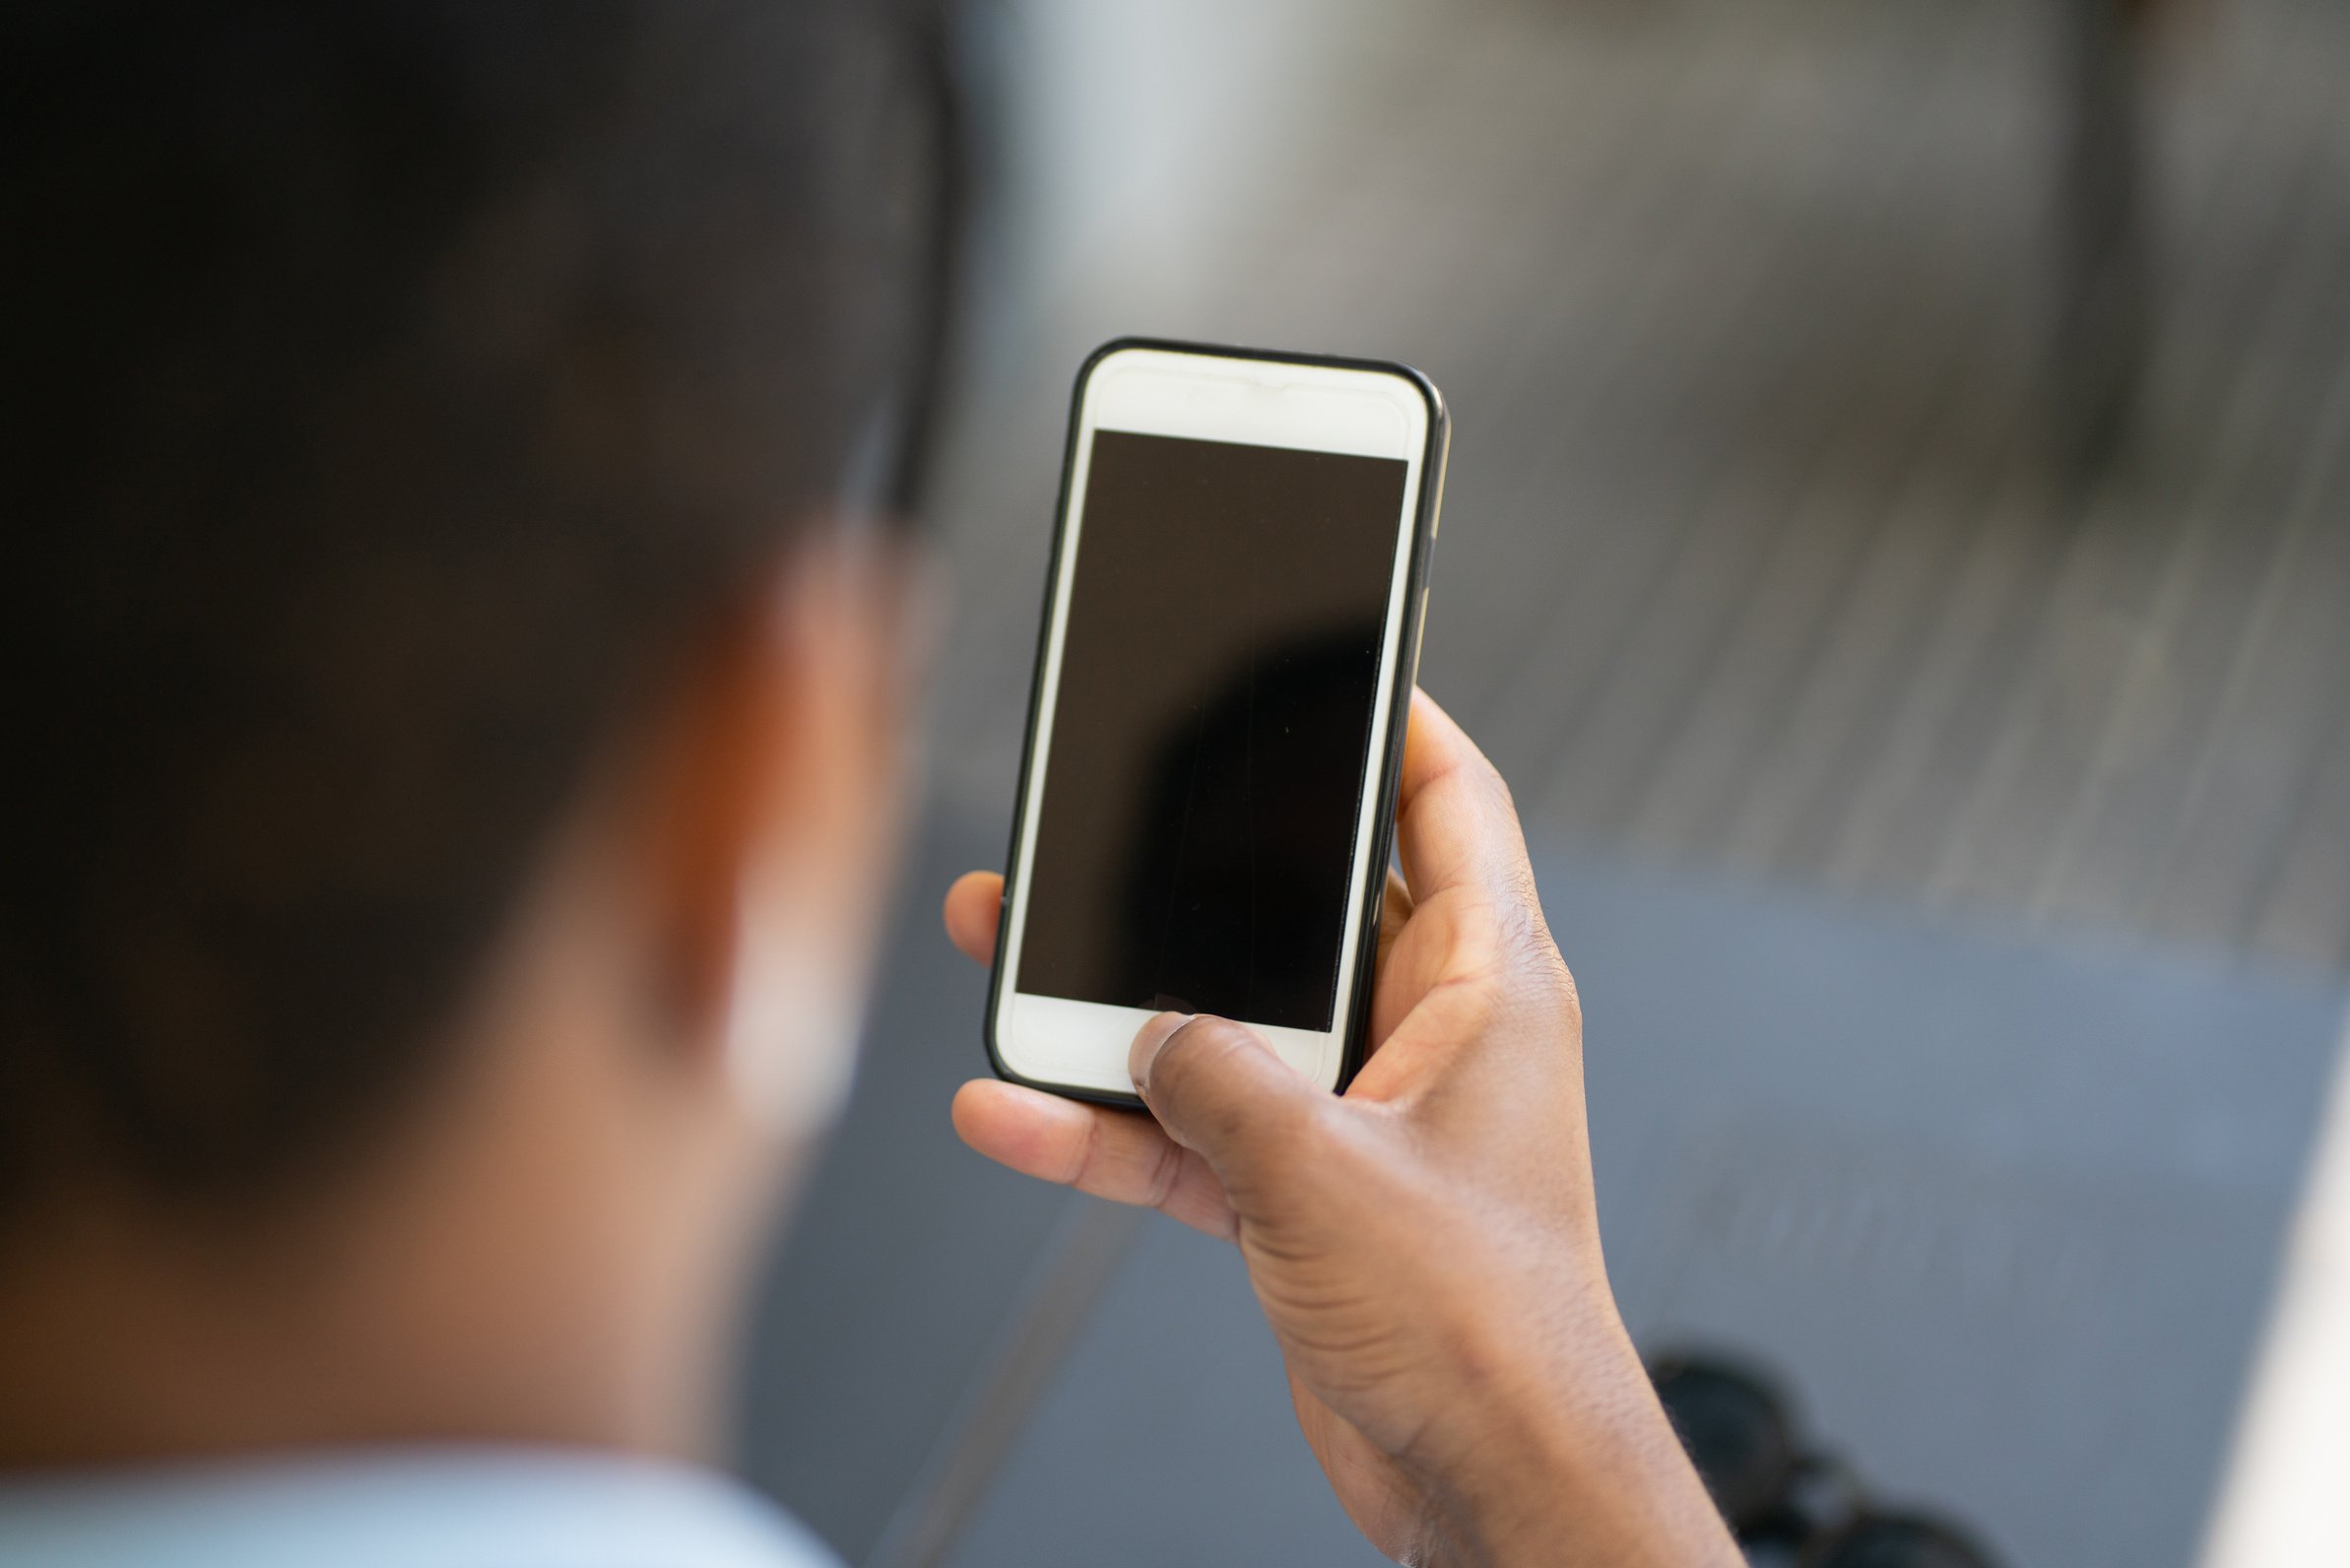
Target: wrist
[(1579, 1466)]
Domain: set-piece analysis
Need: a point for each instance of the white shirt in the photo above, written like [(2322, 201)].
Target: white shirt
[(426, 1508)]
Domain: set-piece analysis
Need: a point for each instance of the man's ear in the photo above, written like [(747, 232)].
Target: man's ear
[(774, 786)]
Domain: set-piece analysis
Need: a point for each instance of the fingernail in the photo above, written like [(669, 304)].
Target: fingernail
[(1150, 1040)]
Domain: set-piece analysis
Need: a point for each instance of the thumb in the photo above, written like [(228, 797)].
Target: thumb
[(1220, 1090)]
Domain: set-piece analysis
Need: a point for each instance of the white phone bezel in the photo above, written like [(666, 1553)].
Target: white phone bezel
[(1258, 402)]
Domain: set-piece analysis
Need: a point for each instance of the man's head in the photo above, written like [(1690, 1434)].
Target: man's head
[(454, 667)]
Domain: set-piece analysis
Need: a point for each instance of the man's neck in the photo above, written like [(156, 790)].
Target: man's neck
[(127, 1340), (545, 1248), (460, 1307)]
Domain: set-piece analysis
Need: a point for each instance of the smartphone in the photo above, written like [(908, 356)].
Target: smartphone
[(1231, 632)]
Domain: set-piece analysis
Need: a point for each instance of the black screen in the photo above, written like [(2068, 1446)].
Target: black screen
[(1196, 835)]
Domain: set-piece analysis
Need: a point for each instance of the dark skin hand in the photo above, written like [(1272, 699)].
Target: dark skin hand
[(1425, 1246)]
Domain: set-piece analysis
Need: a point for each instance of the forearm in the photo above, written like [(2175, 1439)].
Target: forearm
[(1650, 1512), (1586, 1471)]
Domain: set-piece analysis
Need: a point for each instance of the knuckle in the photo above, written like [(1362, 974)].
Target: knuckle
[(1532, 971), (1500, 786), (1524, 934), (1165, 1171), (1086, 1155)]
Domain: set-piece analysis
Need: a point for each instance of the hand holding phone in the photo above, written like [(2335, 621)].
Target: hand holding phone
[(1426, 1244)]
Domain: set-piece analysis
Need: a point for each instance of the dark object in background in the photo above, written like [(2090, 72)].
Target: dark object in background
[(2105, 312), (1784, 1503)]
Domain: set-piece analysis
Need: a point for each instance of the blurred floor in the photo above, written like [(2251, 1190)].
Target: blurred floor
[(1756, 550), (1760, 567)]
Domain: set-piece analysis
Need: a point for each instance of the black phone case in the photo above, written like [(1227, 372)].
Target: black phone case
[(1415, 610)]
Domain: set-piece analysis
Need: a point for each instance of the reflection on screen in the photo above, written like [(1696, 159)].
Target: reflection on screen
[(1196, 834)]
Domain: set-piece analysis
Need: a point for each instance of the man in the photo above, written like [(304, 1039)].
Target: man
[(457, 723)]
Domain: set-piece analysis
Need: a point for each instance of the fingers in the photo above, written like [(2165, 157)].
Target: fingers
[(1118, 1155), (1455, 823), (1220, 1089), (974, 909)]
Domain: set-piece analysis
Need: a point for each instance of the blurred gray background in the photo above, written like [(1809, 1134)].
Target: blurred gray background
[(1898, 548)]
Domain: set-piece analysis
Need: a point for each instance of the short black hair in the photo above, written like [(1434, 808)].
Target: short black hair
[(394, 383)]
